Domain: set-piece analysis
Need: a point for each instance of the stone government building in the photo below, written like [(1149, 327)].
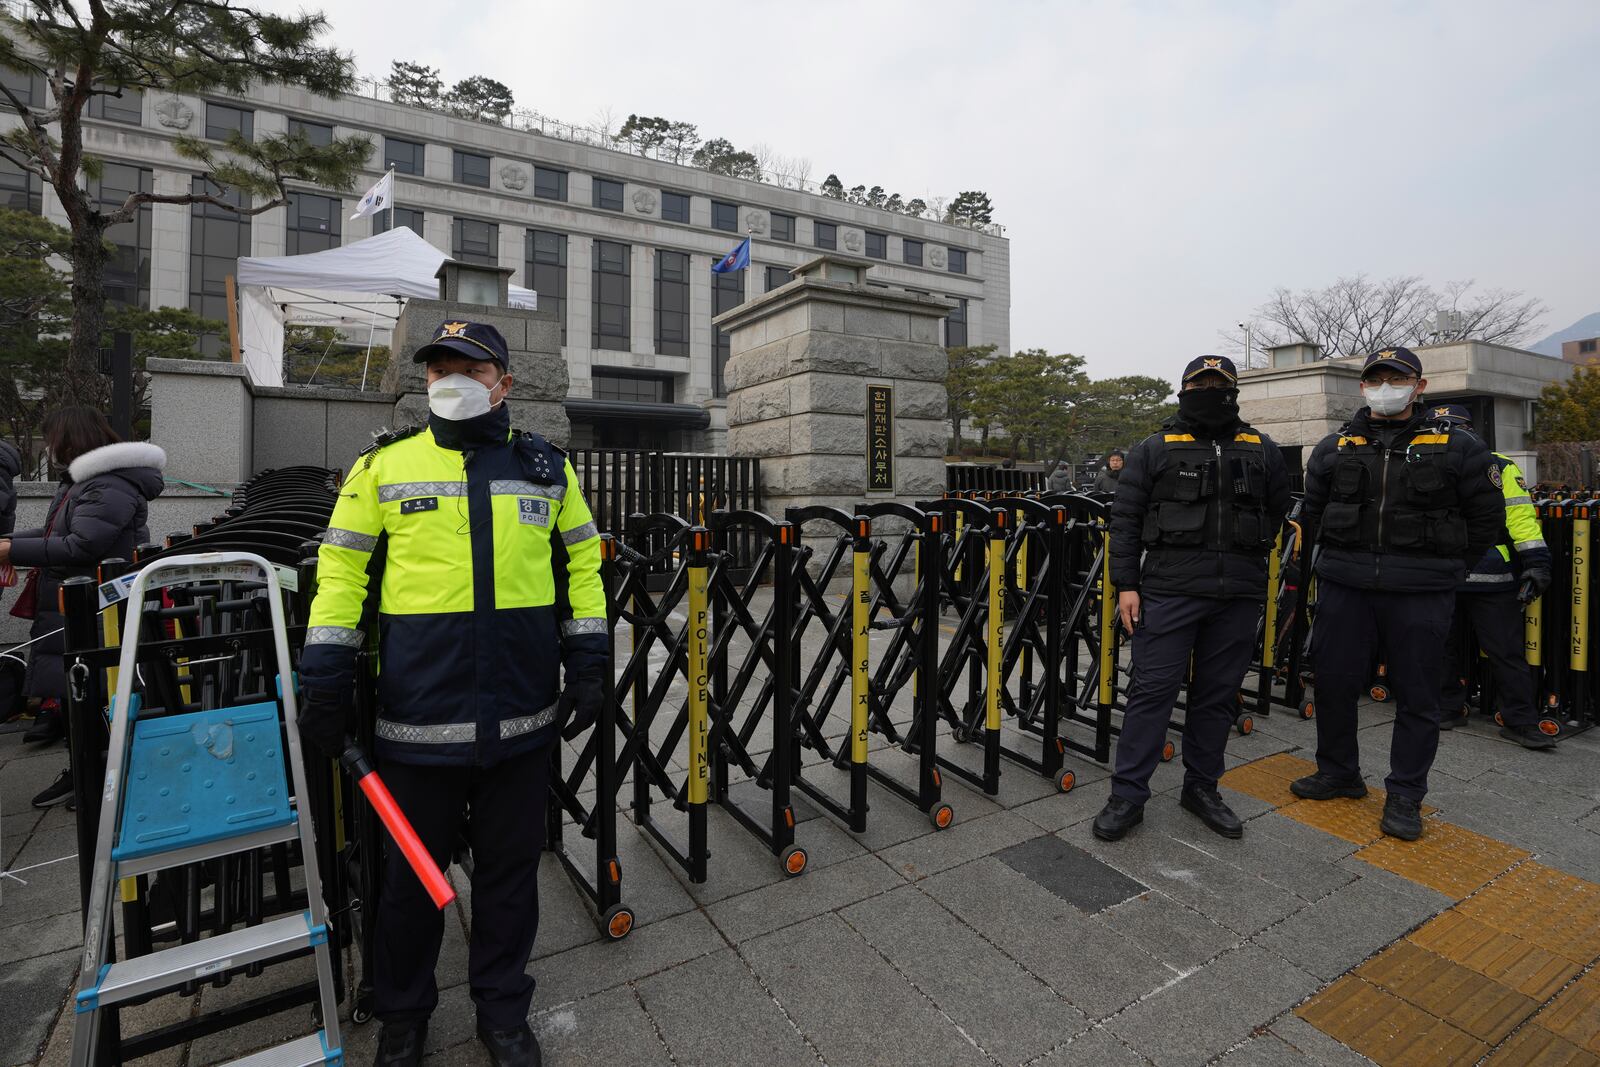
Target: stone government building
[(619, 246)]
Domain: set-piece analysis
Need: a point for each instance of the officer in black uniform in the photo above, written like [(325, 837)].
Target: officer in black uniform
[(1201, 502), (1401, 506), (1489, 604)]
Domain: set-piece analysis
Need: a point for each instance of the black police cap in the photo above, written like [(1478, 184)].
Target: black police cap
[(1211, 365), (474, 340), (1451, 413), (1401, 359)]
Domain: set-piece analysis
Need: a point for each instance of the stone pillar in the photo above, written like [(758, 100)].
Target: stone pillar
[(803, 360), (539, 373)]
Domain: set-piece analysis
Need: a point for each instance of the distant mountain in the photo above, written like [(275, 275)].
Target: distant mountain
[(1588, 326)]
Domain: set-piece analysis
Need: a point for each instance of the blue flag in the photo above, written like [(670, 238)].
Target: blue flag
[(738, 259)]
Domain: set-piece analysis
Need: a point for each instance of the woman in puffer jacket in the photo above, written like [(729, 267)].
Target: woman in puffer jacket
[(101, 510)]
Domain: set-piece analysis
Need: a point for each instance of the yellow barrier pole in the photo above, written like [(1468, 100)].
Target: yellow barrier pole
[(1269, 631), (699, 671), (995, 627), (1108, 626), (1579, 661), (860, 665)]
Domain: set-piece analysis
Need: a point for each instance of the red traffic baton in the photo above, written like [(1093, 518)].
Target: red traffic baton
[(399, 827)]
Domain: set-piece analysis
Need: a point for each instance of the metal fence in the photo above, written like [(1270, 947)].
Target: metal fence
[(967, 477)]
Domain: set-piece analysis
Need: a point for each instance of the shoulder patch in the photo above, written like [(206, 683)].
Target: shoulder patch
[(1494, 475), (1522, 483)]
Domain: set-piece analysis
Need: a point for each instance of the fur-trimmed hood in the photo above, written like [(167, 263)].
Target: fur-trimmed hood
[(123, 457)]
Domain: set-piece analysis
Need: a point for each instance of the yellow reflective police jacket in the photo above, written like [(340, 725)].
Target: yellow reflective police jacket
[(490, 579), (1522, 535)]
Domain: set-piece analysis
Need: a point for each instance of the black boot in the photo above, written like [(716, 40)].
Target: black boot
[(1528, 736), (47, 727), (516, 1047), (1206, 803), (1321, 786), (1117, 818), (1402, 818), (400, 1045), (1449, 720)]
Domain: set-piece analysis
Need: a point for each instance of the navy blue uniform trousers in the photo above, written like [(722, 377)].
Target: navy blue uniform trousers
[(1220, 634), (1351, 626), (1496, 620), (505, 809)]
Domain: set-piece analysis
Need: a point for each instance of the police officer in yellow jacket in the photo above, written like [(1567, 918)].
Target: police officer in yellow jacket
[(1489, 602), (489, 585)]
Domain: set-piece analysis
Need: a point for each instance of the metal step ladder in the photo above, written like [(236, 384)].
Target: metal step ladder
[(192, 787)]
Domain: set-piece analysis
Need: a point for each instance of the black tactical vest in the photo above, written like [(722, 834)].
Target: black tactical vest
[(1210, 495), (1388, 500)]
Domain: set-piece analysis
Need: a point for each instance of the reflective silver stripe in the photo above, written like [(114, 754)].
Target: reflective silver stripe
[(1537, 542), (572, 627), (350, 539), (579, 533), (1484, 579), (388, 494), (452, 734), (1513, 501), (527, 724), (504, 487), (334, 635)]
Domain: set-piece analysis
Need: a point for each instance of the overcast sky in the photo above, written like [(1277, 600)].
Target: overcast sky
[(1159, 167)]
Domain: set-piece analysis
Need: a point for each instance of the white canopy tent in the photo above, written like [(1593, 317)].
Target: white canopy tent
[(359, 285)]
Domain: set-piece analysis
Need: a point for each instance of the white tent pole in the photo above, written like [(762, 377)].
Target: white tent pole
[(372, 327)]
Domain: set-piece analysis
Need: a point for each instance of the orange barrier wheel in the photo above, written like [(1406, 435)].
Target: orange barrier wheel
[(1066, 781), (942, 816), (618, 922), (794, 861)]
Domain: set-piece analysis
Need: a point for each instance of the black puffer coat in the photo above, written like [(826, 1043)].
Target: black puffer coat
[(10, 467), (101, 511)]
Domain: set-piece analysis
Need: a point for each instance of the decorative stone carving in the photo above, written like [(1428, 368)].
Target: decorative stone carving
[(514, 177), (174, 114), (936, 256), (644, 202), (852, 240), (755, 222)]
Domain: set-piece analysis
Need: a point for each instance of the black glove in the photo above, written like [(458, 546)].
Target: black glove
[(1535, 580), (322, 721), (579, 706)]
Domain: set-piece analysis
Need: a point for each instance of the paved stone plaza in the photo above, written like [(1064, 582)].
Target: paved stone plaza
[(1014, 937)]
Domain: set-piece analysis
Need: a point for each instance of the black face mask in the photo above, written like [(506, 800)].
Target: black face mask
[(1213, 410)]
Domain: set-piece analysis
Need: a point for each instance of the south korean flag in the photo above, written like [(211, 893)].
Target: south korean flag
[(377, 198)]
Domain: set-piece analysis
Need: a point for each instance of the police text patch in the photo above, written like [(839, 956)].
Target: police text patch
[(533, 512), (421, 503)]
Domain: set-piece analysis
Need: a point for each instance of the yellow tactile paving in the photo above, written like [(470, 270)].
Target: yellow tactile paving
[(1448, 858), (1282, 765), (1495, 954), (1575, 1014), (1446, 990), (1386, 1029), (1565, 919), (1355, 821), (1534, 1046), (1261, 784)]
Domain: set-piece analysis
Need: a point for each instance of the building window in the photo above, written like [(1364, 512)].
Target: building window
[(955, 326), (913, 252), (222, 120), (217, 238), (727, 293), (612, 308), (958, 261), (631, 388), (724, 216), (877, 245), (26, 85), (672, 303), (547, 273), (549, 184), (406, 157), (607, 194), (777, 276), (317, 134), (313, 223), (782, 227), (127, 276), (473, 241), (472, 169), (127, 107), (674, 207), (404, 217), (1586, 347), (827, 235), (19, 190)]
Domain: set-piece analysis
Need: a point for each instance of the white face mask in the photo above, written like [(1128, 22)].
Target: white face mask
[(457, 397), (1388, 399)]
